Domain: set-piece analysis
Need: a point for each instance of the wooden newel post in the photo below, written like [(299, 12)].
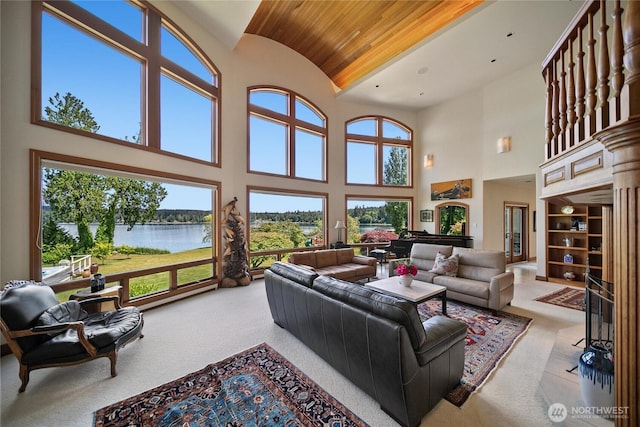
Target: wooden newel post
[(235, 258)]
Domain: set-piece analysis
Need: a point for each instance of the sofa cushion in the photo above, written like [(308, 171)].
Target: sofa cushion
[(447, 266), (325, 258), (477, 264), (339, 271), (68, 311), (298, 274), (399, 311), (424, 254), (304, 258), (464, 286), (344, 255)]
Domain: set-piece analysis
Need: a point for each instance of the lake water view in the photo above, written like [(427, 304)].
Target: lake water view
[(173, 237)]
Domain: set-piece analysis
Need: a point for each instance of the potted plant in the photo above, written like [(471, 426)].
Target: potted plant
[(406, 270)]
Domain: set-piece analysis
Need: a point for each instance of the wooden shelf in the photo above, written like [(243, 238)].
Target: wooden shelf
[(558, 231)]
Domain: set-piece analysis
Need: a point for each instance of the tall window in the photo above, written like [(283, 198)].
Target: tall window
[(282, 219), (287, 135), (378, 152), (94, 217), (144, 82)]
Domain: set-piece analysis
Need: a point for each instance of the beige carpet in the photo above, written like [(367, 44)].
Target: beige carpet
[(184, 336)]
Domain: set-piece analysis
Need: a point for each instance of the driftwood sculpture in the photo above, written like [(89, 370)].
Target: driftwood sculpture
[(235, 258)]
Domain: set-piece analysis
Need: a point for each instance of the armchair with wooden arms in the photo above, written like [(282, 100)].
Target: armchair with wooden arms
[(42, 332)]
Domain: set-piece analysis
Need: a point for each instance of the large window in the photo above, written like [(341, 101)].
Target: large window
[(120, 71), (377, 219), (378, 152), (287, 135), (281, 221), (148, 232)]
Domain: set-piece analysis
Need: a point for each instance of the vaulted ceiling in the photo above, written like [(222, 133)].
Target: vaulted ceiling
[(409, 54), (348, 40)]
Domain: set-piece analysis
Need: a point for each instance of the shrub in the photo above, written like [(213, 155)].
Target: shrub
[(378, 235)]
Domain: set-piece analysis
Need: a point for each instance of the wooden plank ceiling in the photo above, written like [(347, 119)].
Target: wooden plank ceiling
[(349, 39)]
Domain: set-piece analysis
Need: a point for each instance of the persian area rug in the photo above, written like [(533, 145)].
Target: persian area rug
[(489, 339), (566, 297), (256, 387)]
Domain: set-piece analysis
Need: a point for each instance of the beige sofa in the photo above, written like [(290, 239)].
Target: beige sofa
[(339, 263), (481, 278)]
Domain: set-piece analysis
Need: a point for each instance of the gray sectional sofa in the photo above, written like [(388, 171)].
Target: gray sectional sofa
[(481, 278), (376, 341)]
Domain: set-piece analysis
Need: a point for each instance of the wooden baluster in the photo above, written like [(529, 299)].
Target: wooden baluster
[(580, 88), (554, 109), (617, 48), (562, 106), (548, 135), (591, 81), (603, 71), (571, 98), (631, 36)]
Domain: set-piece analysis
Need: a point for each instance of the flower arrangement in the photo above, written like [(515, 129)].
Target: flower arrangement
[(406, 267)]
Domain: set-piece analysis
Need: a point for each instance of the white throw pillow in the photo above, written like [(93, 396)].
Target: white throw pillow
[(446, 266)]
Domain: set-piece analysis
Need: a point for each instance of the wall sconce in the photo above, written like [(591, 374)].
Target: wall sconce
[(504, 144), (340, 226), (428, 161)]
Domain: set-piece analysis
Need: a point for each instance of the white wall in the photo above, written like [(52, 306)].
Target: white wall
[(255, 61), (462, 135)]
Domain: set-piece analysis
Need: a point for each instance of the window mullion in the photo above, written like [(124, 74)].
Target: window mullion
[(291, 121), (379, 152), (151, 99)]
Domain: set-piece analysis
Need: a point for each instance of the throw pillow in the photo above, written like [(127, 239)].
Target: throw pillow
[(446, 266)]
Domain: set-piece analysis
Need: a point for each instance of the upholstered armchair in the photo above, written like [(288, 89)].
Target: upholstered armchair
[(41, 332)]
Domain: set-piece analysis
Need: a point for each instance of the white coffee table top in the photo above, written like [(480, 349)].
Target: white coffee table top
[(417, 292)]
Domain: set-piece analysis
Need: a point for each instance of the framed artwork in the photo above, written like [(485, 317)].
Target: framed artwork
[(426, 215), (450, 190)]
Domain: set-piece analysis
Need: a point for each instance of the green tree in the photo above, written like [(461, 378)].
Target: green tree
[(395, 173), (290, 229), (266, 240), (82, 197), (353, 229), (70, 111), (75, 197)]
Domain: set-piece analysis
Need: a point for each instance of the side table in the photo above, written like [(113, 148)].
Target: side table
[(86, 293)]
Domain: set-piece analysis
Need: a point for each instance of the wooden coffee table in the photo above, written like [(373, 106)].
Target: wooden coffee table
[(416, 293)]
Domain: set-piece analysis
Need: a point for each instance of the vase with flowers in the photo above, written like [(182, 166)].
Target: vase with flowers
[(406, 270)]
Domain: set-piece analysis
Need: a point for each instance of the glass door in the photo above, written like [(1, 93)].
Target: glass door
[(515, 238)]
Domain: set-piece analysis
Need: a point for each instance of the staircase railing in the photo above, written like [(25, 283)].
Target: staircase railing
[(599, 309), (586, 72)]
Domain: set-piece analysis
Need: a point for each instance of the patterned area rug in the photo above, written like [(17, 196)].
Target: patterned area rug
[(257, 387), (566, 297), (489, 339)]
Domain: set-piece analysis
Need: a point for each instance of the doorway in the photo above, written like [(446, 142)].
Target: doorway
[(515, 232)]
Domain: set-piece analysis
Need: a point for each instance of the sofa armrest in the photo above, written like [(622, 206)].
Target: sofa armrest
[(364, 260), (393, 263), (501, 281), (442, 333)]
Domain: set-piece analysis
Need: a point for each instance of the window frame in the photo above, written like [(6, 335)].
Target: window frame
[(148, 51), (292, 124), (380, 142), (37, 162)]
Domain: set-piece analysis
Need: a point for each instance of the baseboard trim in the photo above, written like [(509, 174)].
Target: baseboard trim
[(542, 278)]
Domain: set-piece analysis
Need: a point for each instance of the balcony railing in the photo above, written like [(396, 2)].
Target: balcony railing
[(586, 72)]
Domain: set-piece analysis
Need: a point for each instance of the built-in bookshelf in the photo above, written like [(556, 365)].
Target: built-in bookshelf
[(574, 240)]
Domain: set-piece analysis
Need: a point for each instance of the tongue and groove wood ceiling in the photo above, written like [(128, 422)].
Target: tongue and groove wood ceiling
[(349, 39)]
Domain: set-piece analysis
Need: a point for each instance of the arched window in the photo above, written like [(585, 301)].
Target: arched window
[(122, 72), (378, 152), (287, 135), (452, 218)]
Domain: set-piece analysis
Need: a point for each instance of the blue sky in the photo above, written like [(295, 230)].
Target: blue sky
[(108, 82)]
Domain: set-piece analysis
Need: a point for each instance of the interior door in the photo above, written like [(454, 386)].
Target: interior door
[(515, 238)]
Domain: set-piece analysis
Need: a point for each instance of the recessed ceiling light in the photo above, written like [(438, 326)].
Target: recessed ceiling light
[(423, 70)]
